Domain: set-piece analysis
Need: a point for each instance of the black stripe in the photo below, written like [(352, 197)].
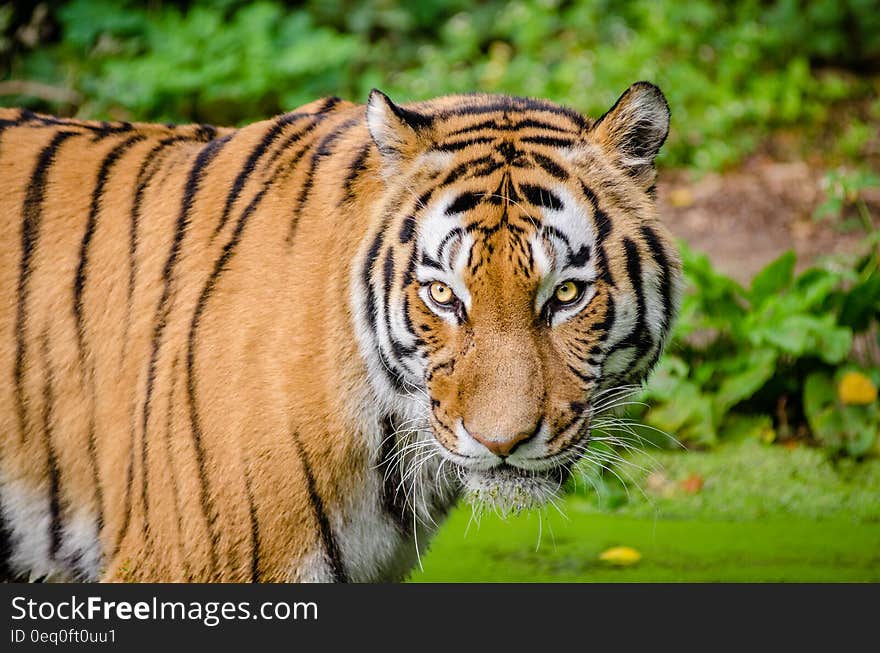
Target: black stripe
[(207, 132), (407, 229), (477, 168), (175, 489), (323, 150), (659, 255), (32, 212), (526, 123), (251, 163), (430, 262), (586, 378), (579, 258), (328, 104), (477, 126), (228, 251), (144, 178), (56, 527), (549, 141), (91, 224), (355, 169), (193, 183), (412, 118), (255, 525), (464, 202), (540, 196), (634, 272), (517, 104), (453, 233), (639, 337), (604, 327), (6, 550), (328, 539), (390, 373), (207, 502), (647, 350), (100, 130), (553, 231), (550, 166), (290, 140), (455, 146), (78, 289), (398, 349), (540, 124), (602, 224), (393, 499)]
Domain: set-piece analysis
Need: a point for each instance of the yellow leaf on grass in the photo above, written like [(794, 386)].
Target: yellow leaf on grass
[(623, 556), (856, 389)]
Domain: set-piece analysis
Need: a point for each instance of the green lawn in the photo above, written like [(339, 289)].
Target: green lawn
[(764, 514), (672, 550)]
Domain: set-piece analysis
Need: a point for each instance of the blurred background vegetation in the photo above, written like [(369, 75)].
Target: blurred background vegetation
[(770, 177)]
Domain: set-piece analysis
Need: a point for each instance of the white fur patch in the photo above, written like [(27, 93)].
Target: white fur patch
[(437, 237), (564, 232), (26, 511)]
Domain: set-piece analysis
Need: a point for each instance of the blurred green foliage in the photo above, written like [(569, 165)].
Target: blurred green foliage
[(742, 480), (741, 355), (732, 71)]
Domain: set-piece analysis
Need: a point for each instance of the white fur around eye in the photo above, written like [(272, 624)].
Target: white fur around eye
[(572, 224), (444, 312), (565, 313)]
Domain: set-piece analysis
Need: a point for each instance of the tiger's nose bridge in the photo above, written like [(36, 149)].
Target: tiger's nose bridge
[(502, 407)]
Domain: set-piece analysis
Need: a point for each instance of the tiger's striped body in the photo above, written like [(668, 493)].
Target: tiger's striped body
[(210, 344)]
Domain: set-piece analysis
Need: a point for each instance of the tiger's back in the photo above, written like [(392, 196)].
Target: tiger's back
[(115, 236)]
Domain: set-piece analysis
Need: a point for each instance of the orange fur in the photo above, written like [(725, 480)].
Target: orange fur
[(177, 341)]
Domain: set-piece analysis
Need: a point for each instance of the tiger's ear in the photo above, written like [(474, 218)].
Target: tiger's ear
[(400, 134), (633, 130)]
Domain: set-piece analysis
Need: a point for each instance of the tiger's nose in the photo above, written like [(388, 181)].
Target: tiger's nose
[(505, 446)]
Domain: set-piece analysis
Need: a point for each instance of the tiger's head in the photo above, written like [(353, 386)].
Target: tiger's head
[(519, 273)]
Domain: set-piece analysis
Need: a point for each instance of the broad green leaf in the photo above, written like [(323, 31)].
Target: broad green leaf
[(819, 393), (774, 278), (861, 427), (738, 427), (862, 303), (760, 366), (834, 343), (688, 416)]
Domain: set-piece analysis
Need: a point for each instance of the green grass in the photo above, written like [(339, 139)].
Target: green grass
[(764, 514), (672, 550)]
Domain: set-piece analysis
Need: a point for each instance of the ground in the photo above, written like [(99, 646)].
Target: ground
[(746, 511), (776, 549), (745, 218)]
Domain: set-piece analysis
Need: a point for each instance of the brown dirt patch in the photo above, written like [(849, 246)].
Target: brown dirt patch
[(745, 218)]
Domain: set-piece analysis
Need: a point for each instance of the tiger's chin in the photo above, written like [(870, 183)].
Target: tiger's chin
[(509, 490)]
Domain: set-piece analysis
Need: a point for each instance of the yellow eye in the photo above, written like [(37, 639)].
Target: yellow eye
[(566, 292), (441, 293)]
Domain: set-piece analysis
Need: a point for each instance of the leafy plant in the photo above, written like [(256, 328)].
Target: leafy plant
[(765, 359), (733, 71), (843, 190), (842, 410)]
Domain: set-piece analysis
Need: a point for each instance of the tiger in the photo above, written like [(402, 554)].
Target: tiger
[(284, 352)]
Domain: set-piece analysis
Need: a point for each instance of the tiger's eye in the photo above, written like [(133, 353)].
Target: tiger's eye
[(566, 292), (441, 293)]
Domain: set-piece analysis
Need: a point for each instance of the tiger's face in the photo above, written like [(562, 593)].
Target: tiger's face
[(529, 284)]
